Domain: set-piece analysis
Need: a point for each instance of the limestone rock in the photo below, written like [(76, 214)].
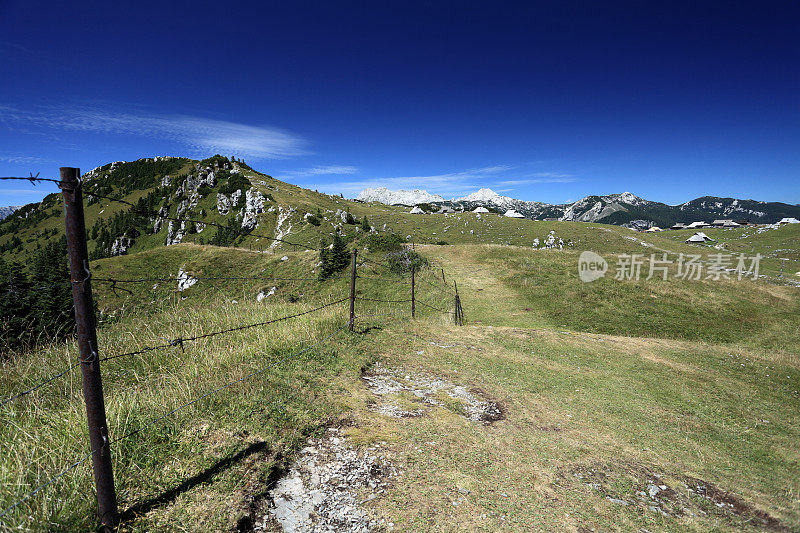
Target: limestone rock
[(254, 205), (223, 204), (185, 280), (177, 236), (121, 245)]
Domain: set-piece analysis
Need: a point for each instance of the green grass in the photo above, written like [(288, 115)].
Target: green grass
[(250, 428), (619, 378), (710, 403), (542, 289)]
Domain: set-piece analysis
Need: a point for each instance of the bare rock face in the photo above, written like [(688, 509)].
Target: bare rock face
[(121, 245), (165, 181), (208, 179), (254, 205), (183, 206), (235, 196), (158, 223), (177, 236), (223, 204)]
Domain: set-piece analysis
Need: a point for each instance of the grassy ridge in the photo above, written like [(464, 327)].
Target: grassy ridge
[(249, 428), (622, 377)]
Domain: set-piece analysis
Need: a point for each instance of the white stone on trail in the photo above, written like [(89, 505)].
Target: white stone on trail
[(385, 382), (326, 488)]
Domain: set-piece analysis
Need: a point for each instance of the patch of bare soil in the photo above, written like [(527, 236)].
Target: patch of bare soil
[(392, 385), (328, 487), (671, 495)]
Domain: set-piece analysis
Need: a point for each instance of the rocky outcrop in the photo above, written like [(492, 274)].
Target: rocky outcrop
[(223, 204), (177, 236), (121, 245), (158, 223), (254, 205), (282, 226)]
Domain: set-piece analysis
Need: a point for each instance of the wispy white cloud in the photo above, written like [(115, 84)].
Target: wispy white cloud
[(333, 170), (25, 159), (200, 134), (534, 181), (449, 183)]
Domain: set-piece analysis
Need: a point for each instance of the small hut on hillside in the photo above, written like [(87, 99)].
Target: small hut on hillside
[(699, 238)]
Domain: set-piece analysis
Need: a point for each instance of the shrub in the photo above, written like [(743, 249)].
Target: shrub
[(365, 224), (402, 261), (36, 307), (226, 235), (383, 242), (235, 182), (333, 259), (442, 243), (313, 220)]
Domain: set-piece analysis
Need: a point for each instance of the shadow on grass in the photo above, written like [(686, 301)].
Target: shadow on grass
[(206, 475), (367, 330)]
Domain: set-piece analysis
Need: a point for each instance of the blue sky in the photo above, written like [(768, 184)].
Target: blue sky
[(547, 101)]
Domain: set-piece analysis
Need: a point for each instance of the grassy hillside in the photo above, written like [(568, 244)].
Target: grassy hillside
[(605, 391)]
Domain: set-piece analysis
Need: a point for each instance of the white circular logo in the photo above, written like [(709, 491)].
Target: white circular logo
[(591, 266)]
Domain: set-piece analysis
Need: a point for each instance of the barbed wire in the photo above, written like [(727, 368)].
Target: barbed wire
[(47, 483), (169, 344), (229, 384), (180, 340), (364, 298), (39, 386), (33, 179), (158, 419), (432, 307), (371, 315), (388, 280), (211, 278)]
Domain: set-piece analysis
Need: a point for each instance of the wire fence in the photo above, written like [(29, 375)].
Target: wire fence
[(391, 308)]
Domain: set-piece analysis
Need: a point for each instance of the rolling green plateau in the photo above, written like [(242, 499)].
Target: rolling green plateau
[(649, 403)]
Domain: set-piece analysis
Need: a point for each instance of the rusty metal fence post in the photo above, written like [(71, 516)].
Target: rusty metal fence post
[(87, 346), (458, 313), (353, 293), (413, 300)]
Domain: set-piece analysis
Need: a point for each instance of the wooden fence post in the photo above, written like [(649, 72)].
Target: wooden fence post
[(87, 347), (459, 314), (413, 302), (353, 292)]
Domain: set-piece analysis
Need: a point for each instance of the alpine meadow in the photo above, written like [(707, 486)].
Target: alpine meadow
[(348, 267), (237, 397)]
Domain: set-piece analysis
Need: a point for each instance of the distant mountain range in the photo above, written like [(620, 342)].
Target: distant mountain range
[(621, 209), (5, 211)]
